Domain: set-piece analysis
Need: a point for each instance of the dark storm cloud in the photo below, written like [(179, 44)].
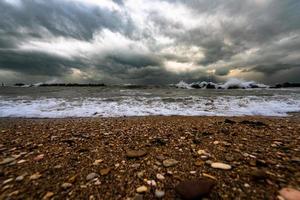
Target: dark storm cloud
[(30, 63), (252, 35), (133, 60), (272, 69), (60, 18)]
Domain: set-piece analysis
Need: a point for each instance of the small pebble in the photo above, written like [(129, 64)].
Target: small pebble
[(20, 178), (160, 177), (35, 176), (66, 185), (91, 176), (159, 194), (97, 162), (105, 171), (142, 189), (151, 183), (48, 195), (39, 157), (170, 162)]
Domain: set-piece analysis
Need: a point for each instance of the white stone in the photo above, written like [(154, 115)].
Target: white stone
[(160, 177), (159, 193), (218, 165)]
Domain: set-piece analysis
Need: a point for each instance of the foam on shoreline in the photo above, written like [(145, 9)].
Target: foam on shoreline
[(144, 106)]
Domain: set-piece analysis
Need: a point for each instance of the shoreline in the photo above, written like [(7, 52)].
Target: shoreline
[(51, 158)]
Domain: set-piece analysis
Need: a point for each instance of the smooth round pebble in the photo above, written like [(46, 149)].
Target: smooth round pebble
[(159, 193), (141, 189)]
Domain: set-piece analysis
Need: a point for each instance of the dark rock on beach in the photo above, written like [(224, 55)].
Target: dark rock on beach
[(194, 189)]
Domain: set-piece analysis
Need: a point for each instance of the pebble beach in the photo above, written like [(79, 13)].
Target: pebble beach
[(154, 157)]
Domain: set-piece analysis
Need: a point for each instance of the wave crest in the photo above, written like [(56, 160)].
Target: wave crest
[(232, 83)]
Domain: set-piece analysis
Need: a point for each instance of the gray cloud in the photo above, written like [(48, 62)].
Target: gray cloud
[(123, 42)]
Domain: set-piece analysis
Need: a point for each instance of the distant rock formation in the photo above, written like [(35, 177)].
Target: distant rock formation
[(286, 85)]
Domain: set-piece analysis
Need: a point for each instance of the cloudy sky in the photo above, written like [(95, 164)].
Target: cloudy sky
[(149, 42)]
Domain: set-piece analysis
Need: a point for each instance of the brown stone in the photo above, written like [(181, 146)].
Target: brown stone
[(259, 175), (135, 153), (194, 189), (105, 171)]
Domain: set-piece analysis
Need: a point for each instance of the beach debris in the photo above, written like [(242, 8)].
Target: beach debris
[(170, 162), (159, 193), (104, 171), (91, 176), (194, 189), (135, 153), (142, 189), (290, 194), (218, 165)]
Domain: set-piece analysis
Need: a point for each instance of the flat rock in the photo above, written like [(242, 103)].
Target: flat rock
[(218, 165), (6, 161), (135, 153), (170, 162), (290, 194), (194, 189)]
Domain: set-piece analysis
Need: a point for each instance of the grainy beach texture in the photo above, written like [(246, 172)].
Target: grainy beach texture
[(149, 157)]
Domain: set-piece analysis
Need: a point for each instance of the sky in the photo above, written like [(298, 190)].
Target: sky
[(149, 42)]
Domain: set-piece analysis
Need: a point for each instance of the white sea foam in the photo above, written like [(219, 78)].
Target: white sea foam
[(231, 83), (143, 106)]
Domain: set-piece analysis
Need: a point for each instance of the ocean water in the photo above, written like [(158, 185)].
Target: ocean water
[(114, 101)]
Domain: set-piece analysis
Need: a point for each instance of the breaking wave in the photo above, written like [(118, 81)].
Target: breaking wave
[(144, 106), (230, 84)]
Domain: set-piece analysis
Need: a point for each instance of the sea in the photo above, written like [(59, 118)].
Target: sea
[(130, 100)]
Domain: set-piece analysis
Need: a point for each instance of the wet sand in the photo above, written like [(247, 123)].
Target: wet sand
[(109, 158)]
